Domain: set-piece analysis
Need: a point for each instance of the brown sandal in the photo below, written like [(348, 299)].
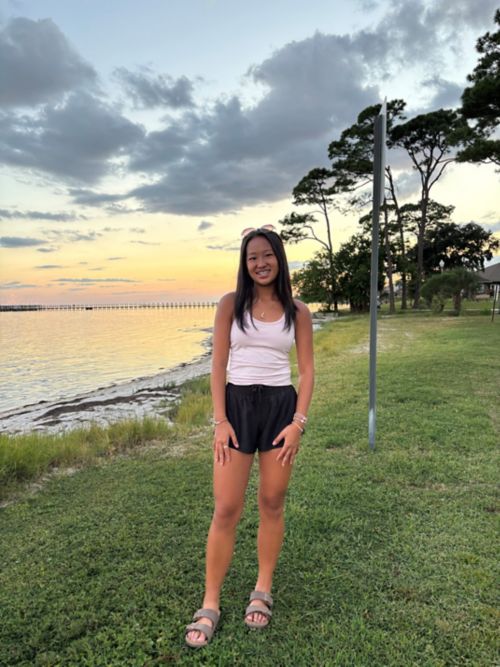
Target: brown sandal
[(255, 609), (208, 630)]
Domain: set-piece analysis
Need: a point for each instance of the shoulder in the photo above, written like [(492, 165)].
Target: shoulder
[(303, 312), (225, 307), (227, 300)]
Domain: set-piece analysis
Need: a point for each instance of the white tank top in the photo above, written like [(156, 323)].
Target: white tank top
[(260, 354)]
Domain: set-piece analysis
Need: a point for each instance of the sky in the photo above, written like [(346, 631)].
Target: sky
[(139, 139)]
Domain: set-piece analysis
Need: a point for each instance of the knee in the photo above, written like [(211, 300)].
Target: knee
[(226, 515), (272, 505)]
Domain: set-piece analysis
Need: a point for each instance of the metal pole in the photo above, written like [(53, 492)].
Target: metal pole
[(378, 198), (497, 288)]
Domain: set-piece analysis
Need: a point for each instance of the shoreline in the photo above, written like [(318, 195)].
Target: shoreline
[(145, 396)]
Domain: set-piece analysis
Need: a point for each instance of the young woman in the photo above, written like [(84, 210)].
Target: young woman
[(257, 409)]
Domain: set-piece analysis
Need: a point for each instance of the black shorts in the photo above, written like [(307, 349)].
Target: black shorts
[(258, 412)]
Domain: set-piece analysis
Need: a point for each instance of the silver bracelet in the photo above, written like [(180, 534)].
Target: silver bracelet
[(300, 417), (220, 421)]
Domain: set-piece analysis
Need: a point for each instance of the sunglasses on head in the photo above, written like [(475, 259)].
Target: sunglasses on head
[(247, 230)]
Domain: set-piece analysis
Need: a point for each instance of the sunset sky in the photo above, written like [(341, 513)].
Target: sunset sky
[(139, 138)]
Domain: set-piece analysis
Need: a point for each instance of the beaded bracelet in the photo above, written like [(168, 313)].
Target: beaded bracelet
[(301, 418), (220, 421), (302, 430)]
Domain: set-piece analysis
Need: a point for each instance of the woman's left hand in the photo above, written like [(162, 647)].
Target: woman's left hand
[(291, 435)]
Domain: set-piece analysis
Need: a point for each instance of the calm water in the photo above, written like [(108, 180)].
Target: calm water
[(51, 354)]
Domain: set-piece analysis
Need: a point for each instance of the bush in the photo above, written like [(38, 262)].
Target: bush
[(450, 284)]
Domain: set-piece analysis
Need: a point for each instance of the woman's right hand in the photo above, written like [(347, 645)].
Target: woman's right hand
[(222, 434)]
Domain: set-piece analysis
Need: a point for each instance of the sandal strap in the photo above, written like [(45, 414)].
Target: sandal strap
[(207, 613), (263, 597), (254, 609), (207, 630)]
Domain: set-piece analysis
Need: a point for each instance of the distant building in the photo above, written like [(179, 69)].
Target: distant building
[(488, 279)]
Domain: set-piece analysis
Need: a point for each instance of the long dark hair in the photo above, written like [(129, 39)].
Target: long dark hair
[(245, 286)]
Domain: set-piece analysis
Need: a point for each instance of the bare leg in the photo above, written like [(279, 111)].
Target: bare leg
[(273, 485), (230, 483)]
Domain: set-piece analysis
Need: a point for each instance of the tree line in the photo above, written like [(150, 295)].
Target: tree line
[(418, 240)]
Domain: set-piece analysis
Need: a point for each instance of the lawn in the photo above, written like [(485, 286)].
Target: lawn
[(390, 557)]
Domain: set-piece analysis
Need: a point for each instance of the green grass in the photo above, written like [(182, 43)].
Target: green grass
[(25, 458), (195, 406), (477, 306), (390, 557)]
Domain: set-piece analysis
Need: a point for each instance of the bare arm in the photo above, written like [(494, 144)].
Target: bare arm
[(305, 357), (305, 360), (220, 356)]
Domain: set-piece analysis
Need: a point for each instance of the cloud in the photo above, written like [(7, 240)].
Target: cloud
[(148, 90), (368, 5), (113, 259), (48, 249), (415, 31), (490, 216), (138, 230), (408, 184), (16, 285), (204, 224), (241, 156), (312, 89), (146, 242), (19, 241), (446, 93), (85, 281), (462, 14), (81, 126), (228, 155), (121, 209), (81, 236), (40, 215), (90, 198), (49, 266), (165, 147), (230, 247), (86, 197), (71, 235), (37, 63)]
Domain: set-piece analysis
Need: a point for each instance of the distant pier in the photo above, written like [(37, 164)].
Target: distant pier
[(108, 306)]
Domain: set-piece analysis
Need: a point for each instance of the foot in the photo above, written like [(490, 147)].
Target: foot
[(198, 637), (255, 617), (259, 599)]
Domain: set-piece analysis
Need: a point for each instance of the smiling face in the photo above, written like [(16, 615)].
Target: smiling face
[(262, 263)]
